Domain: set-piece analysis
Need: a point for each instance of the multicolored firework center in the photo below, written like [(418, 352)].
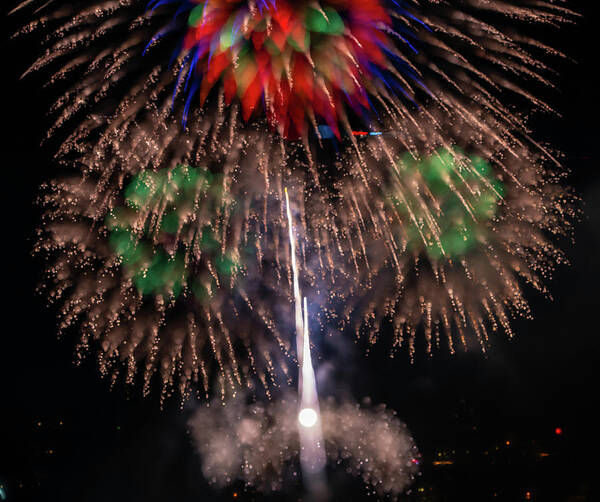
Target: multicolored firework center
[(149, 245), (464, 196), (303, 61)]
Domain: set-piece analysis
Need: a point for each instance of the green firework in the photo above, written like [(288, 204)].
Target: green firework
[(157, 232), (446, 201)]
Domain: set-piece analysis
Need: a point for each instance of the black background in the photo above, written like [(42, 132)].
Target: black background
[(66, 436)]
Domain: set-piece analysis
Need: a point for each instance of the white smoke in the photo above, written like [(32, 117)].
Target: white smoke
[(259, 444)]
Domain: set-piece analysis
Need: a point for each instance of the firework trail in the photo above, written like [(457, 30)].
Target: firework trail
[(259, 444), (312, 456)]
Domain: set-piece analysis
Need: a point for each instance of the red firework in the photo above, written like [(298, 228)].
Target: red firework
[(300, 61)]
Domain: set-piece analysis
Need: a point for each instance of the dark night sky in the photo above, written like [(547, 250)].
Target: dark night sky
[(66, 436)]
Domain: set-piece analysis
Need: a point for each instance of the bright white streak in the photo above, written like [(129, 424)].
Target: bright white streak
[(309, 397), (312, 451), (297, 297)]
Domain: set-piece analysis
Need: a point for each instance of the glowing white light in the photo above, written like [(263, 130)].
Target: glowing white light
[(307, 417)]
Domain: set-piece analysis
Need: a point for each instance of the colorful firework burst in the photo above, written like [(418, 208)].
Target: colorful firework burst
[(447, 240), (429, 78), (333, 62), (165, 279), (304, 59)]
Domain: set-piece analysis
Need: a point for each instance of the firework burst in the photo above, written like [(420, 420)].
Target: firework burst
[(331, 62), (304, 59), (446, 239), (171, 277), (449, 232)]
